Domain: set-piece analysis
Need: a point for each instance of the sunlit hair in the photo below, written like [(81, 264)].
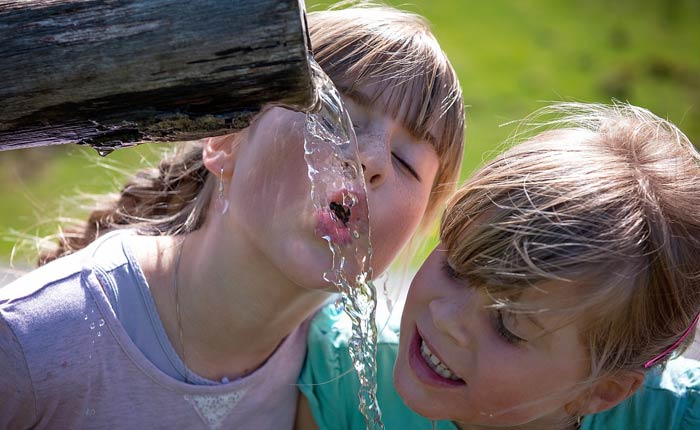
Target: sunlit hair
[(411, 79), (361, 44), (605, 201)]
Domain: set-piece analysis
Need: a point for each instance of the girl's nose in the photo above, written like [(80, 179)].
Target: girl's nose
[(450, 316), (375, 155)]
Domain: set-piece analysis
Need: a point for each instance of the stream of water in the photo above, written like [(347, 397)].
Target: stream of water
[(338, 192)]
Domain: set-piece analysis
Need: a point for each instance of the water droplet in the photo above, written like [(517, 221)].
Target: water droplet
[(327, 277), (104, 151), (334, 217), (99, 333), (92, 325), (102, 322), (85, 317), (349, 200), (89, 412), (349, 171), (338, 304)]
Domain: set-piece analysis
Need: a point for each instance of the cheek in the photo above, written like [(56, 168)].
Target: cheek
[(392, 225), (424, 288), (274, 187), (510, 396), (394, 218), (271, 168)]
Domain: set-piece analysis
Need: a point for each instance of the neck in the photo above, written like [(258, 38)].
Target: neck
[(235, 308)]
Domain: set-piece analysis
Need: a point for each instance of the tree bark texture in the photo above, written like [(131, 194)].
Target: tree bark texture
[(116, 72)]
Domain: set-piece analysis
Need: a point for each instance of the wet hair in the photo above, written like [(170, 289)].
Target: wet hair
[(361, 44), (605, 201)]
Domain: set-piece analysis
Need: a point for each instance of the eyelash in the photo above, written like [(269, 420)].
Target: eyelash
[(449, 270), (406, 166), (501, 328), (506, 334)]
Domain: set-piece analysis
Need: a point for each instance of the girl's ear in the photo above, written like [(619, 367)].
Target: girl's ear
[(219, 153), (606, 393)]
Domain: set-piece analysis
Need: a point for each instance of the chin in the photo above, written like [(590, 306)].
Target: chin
[(419, 405), (304, 263), (309, 277), (407, 389)]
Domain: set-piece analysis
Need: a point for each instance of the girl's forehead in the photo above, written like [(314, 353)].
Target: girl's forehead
[(550, 305), (401, 103), (549, 293)]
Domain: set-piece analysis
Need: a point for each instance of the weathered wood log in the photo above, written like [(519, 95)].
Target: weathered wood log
[(115, 72)]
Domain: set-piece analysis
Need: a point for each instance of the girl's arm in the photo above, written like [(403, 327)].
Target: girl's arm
[(305, 419)]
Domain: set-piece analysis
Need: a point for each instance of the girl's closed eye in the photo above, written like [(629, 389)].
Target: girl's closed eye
[(405, 165), (504, 332), (450, 271), (498, 315)]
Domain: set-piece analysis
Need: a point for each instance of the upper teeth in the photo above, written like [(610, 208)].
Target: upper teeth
[(438, 366)]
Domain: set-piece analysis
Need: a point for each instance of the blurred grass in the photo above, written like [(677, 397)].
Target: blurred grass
[(44, 184), (511, 57)]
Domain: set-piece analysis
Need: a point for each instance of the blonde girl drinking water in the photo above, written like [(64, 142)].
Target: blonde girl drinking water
[(183, 301), (568, 272)]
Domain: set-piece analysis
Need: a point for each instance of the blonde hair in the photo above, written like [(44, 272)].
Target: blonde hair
[(366, 43), (606, 200)]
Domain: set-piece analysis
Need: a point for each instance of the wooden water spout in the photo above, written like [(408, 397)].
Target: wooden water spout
[(113, 73)]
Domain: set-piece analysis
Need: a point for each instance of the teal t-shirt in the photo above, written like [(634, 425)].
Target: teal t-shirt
[(330, 383), (668, 400)]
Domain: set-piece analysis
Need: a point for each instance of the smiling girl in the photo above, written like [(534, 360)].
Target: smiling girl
[(567, 275), (183, 301)]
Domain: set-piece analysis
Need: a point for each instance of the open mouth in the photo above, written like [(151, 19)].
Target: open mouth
[(428, 366), (335, 222), (434, 362), (341, 212)]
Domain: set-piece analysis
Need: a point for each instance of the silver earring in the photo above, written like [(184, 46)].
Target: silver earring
[(223, 201)]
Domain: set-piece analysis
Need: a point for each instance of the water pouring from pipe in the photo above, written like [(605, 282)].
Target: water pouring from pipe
[(338, 192)]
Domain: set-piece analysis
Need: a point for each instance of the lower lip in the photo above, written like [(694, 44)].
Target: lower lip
[(326, 226), (423, 371)]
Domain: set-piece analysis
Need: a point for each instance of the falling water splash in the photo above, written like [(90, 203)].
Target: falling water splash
[(339, 195)]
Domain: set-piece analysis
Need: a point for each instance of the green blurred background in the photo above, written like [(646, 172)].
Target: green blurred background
[(511, 57)]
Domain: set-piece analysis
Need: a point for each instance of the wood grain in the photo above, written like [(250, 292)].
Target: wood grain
[(114, 72)]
